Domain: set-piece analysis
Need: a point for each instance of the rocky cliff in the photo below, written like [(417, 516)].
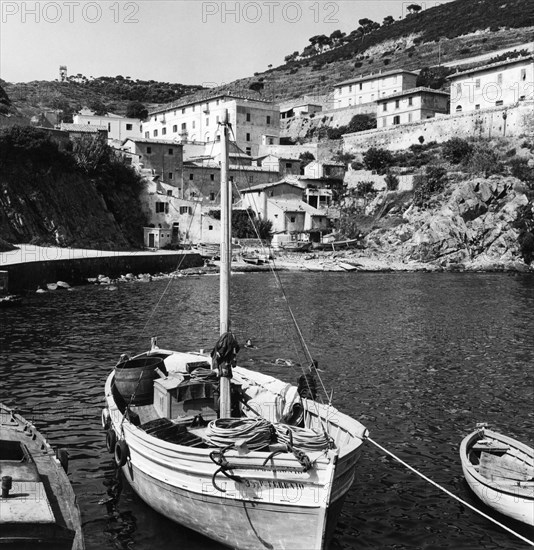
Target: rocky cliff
[(472, 224), (48, 198)]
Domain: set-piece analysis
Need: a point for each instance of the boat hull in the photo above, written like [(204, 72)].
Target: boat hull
[(512, 499), (278, 507)]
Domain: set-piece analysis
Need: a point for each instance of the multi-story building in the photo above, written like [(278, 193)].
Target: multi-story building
[(254, 121), (163, 158), (494, 85), (369, 88), (119, 128), (411, 106)]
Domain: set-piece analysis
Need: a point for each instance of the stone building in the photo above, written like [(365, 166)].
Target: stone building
[(118, 127), (369, 88), (411, 106), (254, 121), (495, 85)]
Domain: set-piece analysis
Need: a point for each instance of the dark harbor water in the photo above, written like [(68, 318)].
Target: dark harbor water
[(419, 358)]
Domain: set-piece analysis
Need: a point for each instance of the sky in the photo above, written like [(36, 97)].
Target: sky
[(187, 41)]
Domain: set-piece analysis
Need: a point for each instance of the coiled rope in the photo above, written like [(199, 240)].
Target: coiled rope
[(389, 453), (303, 439), (255, 432)]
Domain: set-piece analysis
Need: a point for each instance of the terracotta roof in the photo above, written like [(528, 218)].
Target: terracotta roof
[(492, 66), (150, 140), (87, 128), (412, 91), (263, 186), (373, 76), (202, 97)]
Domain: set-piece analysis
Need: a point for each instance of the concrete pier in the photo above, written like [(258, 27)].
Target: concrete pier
[(30, 266)]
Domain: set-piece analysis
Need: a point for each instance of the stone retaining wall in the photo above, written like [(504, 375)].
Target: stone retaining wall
[(28, 275), (486, 123)]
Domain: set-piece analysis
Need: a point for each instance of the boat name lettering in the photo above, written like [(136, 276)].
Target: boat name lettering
[(257, 483)]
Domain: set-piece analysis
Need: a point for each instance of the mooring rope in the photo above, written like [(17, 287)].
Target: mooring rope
[(441, 488)]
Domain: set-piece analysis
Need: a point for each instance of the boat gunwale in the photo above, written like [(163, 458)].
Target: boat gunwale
[(515, 488)]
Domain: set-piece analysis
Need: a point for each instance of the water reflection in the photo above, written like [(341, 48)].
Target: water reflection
[(418, 358)]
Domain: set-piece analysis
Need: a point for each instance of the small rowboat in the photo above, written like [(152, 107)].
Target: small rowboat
[(500, 471), (38, 507)]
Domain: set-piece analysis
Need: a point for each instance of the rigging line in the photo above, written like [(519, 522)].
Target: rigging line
[(299, 333), (441, 488), (279, 282), (182, 259)]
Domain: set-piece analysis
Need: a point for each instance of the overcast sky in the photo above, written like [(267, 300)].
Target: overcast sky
[(186, 41)]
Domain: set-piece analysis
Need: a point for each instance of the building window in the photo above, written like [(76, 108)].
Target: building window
[(269, 118), (147, 134), (162, 207), (175, 128), (248, 150), (288, 165), (409, 117), (410, 101), (231, 178), (271, 141), (477, 83), (191, 177), (477, 107), (248, 117), (217, 102), (184, 126), (212, 196), (149, 150), (458, 88), (171, 151), (155, 133), (361, 85), (385, 107), (350, 89), (207, 122), (397, 103), (193, 108), (248, 137), (458, 108), (499, 103), (129, 126), (499, 78), (396, 119), (183, 111), (251, 179), (169, 192), (385, 122), (212, 177), (163, 131), (170, 175), (523, 74), (193, 124), (109, 126), (210, 227), (292, 219)]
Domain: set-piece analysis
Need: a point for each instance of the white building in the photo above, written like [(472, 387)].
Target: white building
[(119, 128), (371, 87), (494, 85), (411, 106), (254, 121)]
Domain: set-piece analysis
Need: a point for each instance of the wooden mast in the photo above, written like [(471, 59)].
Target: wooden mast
[(226, 258)]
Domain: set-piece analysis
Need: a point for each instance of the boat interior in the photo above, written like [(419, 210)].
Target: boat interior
[(180, 398), (499, 461)]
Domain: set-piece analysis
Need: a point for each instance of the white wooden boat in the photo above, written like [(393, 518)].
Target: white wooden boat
[(500, 471), (261, 467), (38, 508)]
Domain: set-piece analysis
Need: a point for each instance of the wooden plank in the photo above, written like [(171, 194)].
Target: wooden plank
[(493, 466)]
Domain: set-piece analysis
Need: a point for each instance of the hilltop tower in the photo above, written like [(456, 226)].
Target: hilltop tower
[(62, 73)]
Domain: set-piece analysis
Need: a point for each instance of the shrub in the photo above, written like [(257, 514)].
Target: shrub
[(360, 123), (433, 182), (520, 169), (392, 182), (457, 150), (365, 188), (377, 159), (484, 162)]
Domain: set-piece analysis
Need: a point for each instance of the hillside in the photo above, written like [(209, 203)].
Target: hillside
[(454, 31), (80, 198), (111, 94)]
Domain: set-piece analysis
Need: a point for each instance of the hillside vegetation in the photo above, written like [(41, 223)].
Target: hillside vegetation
[(82, 197)]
